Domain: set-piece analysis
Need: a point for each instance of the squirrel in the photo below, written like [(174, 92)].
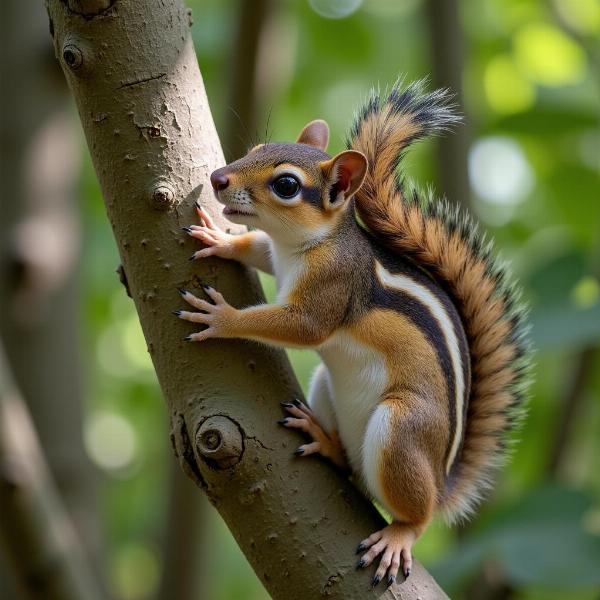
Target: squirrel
[(423, 339)]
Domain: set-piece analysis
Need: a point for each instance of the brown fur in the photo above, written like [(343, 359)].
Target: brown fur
[(314, 307), (243, 243), (412, 464), (407, 479)]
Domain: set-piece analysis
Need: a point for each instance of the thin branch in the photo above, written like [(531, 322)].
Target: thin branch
[(243, 116), (187, 543), (570, 406), (446, 35)]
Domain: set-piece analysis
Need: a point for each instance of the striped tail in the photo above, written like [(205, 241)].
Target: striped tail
[(447, 243)]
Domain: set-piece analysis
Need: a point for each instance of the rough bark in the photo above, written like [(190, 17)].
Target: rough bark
[(40, 542), (134, 75), (39, 250)]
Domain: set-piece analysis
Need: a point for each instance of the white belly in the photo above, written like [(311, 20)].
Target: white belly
[(357, 376)]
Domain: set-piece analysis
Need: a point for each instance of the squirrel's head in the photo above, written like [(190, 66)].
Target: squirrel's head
[(292, 191)]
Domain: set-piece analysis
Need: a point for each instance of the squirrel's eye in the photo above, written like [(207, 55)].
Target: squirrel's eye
[(286, 186)]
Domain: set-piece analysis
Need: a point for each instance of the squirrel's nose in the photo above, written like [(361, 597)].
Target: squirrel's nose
[(219, 180)]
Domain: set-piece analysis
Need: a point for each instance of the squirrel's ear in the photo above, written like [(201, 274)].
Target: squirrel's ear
[(316, 134), (345, 173)]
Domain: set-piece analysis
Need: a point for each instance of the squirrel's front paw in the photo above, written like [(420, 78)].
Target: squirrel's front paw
[(219, 316), (217, 242)]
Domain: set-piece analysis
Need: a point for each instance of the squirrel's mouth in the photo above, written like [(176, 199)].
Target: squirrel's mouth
[(230, 210)]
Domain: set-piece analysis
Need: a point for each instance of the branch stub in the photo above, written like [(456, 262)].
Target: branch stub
[(162, 195), (220, 441), (72, 55)]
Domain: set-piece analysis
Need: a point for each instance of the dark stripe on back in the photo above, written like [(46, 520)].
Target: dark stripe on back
[(396, 265), (355, 252)]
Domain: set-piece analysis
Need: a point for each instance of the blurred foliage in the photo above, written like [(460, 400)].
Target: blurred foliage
[(534, 540), (531, 81)]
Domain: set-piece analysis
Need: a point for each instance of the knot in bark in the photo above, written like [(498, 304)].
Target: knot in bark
[(162, 195), (220, 442), (72, 55)]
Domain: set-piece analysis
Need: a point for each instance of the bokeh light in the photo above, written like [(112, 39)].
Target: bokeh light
[(110, 353), (548, 56), (122, 349), (135, 572), (586, 293), (110, 440), (338, 103), (335, 9), (499, 171), (501, 177), (581, 15), (506, 90)]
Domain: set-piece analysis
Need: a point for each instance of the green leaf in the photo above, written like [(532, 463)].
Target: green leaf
[(553, 281), (564, 325), (547, 122)]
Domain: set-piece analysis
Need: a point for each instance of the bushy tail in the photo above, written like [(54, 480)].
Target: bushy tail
[(447, 243)]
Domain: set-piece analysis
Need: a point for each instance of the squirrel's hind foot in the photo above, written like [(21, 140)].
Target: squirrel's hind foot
[(326, 444), (394, 543)]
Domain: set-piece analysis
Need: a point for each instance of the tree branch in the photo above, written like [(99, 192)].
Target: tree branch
[(251, 17), (186, 545), (153, 146), (571, 405)]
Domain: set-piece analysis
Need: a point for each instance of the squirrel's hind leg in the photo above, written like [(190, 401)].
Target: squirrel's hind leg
[(318, 421), (397, 468)]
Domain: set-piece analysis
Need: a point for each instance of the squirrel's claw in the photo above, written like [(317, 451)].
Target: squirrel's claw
[(328, 445), (394, 544)]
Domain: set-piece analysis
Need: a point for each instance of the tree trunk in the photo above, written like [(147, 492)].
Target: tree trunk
[(134, 75), (39, 539)]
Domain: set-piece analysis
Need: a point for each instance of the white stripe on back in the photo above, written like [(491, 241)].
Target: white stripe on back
[(436, 308)]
